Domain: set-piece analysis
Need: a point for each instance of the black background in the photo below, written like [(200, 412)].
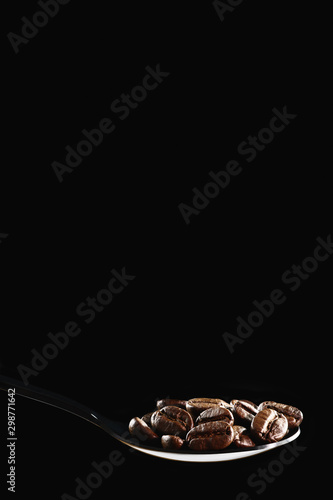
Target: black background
[(163, 334)]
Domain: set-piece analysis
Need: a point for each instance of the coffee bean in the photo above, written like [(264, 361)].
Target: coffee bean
[(146, 418), (244, 411), (292, 414), (217, 413), (227, 405), (234, 401), (242, 438), (171, 442), (171, 420), (269, 426), (141, 430), (161, 403), (196, 406), (210, 436)]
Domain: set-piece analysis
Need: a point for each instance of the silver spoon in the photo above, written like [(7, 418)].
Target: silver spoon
[(111, 427), (118, 430)]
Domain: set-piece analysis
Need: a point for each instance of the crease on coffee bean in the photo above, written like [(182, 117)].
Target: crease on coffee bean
[(269, 428), (205, 436), (225, 419), (284, 409), (252, 411), (270, 425), (178, 420)]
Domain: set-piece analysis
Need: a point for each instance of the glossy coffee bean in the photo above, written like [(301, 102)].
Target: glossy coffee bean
[(146, 418), (244, 411), (171, 442), (161, 403), (292, 414), (269, 426), (229, 406), (171, 420), (196, 406), (242, 438), (234, 401), (142, 431), (217, 413), (172, 427), (210, 436)]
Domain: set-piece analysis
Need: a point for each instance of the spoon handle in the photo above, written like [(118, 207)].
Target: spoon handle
[(57, 400)]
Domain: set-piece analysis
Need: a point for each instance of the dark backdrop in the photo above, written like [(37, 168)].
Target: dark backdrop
[(119, 210)]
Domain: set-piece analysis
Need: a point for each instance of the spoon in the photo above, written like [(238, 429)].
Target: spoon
[(119, 430), (63, 403)]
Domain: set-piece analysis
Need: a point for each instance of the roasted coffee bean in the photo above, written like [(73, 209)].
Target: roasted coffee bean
[(141, 430), (146, 418), (242, 438), (227, 405), (171, 420), (269, 426), (217, 413), (292, 414), (210, 436), (234, 401), (172, 427), (244, 411), (161, 403), (196, 406), (171, 442)]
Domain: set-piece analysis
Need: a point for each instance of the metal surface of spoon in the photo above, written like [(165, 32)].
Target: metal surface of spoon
[(119, 430), (61, 402)]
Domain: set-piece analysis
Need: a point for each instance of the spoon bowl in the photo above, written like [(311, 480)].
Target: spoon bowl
[(119, 430)]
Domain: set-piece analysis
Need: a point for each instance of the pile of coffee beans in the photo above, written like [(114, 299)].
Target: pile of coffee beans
[(205, 424)]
